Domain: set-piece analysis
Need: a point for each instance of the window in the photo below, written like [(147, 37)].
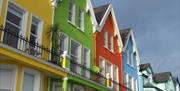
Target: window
[(112, 43), (127, 57), (7, 77), (57, 86), (31, 80), (135, 85), (131, 83), (72, 11), (109, 72), (125, 79), (132, 59), (81, 19), (63, 43), (75, 57), (34, 35), (86, 62), (115, 78), (78, 88), (13, 25), (106, 39), (102, 66)]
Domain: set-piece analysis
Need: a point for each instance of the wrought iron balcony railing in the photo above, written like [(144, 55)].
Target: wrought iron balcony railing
[(41, 52)]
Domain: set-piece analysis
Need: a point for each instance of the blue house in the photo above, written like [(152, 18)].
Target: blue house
[(131, 61)]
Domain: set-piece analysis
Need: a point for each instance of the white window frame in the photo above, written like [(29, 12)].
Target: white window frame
[(66, 45), (128, 57), (106, 39), (116, 74), (79, 87), (111, 68), (24, 18), (81, 17), (88, 60), (14, 69), (101, 59), (132, 59), (73, 17), (79, 53), (39, 30), (36, 75), (112, 43), (57, 84)]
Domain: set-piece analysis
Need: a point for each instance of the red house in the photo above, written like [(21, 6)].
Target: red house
[(108, 46)]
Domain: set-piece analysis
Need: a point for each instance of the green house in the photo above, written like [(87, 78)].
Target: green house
[(76, 23)]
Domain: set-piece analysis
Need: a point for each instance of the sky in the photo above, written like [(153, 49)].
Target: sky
[(156, 27)]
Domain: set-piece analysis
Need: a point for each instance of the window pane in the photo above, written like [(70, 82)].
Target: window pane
[(34, 29), (5, 80), (13, 18), (28, 82)]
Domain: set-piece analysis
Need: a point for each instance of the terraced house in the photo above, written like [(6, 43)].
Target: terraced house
[(75, 21), (131, 60), (108, 46), (24, 46)]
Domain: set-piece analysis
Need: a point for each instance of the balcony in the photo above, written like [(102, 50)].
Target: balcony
[(58, 58)]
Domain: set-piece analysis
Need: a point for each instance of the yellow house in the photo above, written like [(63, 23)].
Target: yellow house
[(25, 46)]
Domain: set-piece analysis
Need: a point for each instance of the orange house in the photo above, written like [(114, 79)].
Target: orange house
[(108, 47)]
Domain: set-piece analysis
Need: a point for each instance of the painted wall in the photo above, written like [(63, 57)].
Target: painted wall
[(85, 38), (113, 57)]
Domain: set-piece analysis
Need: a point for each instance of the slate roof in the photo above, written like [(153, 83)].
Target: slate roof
[(161, 77), (144, 66), (125, 33), (100, 12), (149, 85)]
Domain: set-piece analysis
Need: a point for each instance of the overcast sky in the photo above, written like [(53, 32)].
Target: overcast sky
[(156, 27)]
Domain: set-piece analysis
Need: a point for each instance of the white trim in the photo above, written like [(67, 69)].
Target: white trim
[(66, 45), (14, 68), (39, 30), (36, 75), (93, 18)]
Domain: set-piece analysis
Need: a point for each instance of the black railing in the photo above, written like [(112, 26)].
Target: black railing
[(39, 51)]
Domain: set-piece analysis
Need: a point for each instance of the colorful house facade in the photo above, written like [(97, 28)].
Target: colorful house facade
[(131, 60), (108, 47), (75, 19), (25, 47)]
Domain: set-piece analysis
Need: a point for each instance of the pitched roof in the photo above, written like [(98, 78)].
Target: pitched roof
[(161, 77), (100, 12), (144, 66), (149, 85), (125, 33)]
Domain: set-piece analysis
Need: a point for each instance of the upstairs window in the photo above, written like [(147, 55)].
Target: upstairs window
[(72, 11), (13, 25), (132, 59), (127, 57), (63, 43), (106, 39), (81, 19), (86, 63), (111, 43)]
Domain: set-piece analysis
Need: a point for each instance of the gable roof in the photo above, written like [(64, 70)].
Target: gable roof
[(102, 13), (162, 77), (125, 34), (145, 66)]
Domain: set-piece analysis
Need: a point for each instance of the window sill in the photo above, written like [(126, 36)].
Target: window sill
[(71, 23), (82, 30)]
